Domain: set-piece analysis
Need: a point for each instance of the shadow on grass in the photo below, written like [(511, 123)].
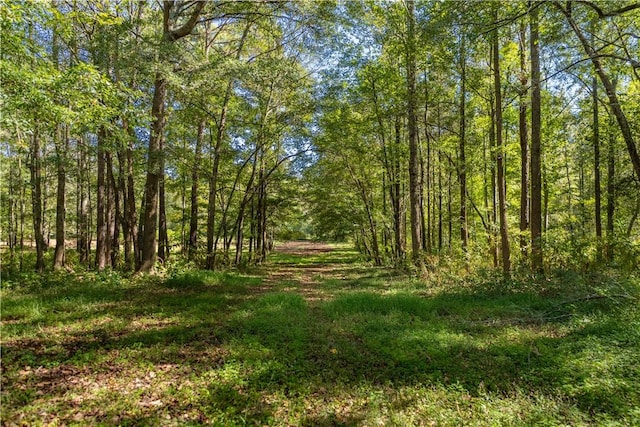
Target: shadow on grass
[(409, 340), (256, 344)]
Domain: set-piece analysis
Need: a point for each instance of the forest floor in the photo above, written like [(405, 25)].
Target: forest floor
[(318, 337)]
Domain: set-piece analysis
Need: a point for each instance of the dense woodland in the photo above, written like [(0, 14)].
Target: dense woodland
[(320, 213), (494, 134)]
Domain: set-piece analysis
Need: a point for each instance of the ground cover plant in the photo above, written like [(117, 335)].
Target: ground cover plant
[(317, 337)]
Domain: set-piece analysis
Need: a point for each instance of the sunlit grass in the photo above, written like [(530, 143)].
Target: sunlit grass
[(367, 347)]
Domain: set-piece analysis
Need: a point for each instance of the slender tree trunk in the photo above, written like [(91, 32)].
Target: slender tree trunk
[(195, 177), (14, 189), (425, 220), (524, 144), (83, 243), (596, 167), (62, 146), (130, 212), (536, 176), (462, 166), (611, 196), (121, 209), (493, 244), (114, 214), (36, 200), (502, 199), (23, 213), (440, 189), (397, 195), (414, 161), (102, 235), (163, 237)]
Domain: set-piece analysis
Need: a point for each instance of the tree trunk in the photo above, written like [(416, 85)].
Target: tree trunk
[(611, 196), (524, 144), (462, 166), (502, 199), (83, 242), (130, 212), (493, 215), (102, 235), (155, 155), (114, 215), (163, 237), (596, 167), (536, 176), (127, 193), (414, 161), (62, 146), (36, 200), (154, 173), (397, 194), (195, 177)]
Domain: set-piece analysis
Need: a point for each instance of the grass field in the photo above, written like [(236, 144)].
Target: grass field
[(318, 338)]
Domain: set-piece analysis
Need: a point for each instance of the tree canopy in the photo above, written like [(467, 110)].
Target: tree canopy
[(486, 133)]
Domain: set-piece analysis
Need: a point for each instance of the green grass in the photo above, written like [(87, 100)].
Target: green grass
[(368, 347)]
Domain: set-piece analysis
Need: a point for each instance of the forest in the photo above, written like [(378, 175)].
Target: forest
[(331, 212)]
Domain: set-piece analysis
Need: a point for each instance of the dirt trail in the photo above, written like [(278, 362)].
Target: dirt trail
[(304, 276)]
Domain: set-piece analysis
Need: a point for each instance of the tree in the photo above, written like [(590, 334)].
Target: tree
[(155, 154), (535, 165), (502, 197), (414, 161)]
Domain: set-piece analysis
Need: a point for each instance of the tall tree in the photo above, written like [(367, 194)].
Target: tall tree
[(462, 167), (155, 154), (535, 165), (596, 166), (523, 133), (414, 160), (502, 185)]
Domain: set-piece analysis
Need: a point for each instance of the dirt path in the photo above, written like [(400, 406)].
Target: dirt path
[(303, 269)]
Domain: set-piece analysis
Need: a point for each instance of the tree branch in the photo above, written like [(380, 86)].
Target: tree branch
[(616, 12)]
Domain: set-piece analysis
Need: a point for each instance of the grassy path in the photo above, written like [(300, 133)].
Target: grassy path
[(314, 337)]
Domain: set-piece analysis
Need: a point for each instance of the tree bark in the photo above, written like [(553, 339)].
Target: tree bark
[(462, 166), (524, 144), (611, 195), (62, 146), (36, 200), (163, 236), (414, 161), (502, 199), (83, 242), (154, 165), (102, 235), (536, 175), (397, 195), (195, 177), (596, 167)]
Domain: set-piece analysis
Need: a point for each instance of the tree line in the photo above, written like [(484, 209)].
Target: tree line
[(484, 132), (487, 132)]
